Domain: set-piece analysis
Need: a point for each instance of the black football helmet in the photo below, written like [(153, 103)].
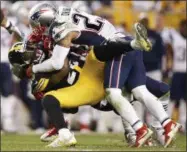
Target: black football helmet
[(19, 55)]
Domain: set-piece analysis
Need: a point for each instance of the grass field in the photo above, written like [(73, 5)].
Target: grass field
[(86, 142)]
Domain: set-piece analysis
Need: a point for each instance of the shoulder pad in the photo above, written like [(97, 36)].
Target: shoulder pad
[(60, 30), (62, 14)]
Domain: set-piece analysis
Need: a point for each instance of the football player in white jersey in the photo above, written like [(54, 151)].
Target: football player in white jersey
[(68, 25), (176, 55)]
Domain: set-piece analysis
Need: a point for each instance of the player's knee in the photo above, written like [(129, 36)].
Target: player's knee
[(113, 94), (140, 93), (50, 102)]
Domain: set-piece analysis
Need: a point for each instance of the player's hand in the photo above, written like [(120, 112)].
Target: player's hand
[(35, 90), (19, 70), (28, 71), (38, 95)]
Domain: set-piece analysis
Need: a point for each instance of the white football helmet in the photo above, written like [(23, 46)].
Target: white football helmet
[(42, 14)]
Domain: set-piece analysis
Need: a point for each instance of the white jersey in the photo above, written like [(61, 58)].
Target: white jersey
[(69, 19), (178, 43), (6, 39)]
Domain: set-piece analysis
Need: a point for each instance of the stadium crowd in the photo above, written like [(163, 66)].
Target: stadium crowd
[(165, 20)]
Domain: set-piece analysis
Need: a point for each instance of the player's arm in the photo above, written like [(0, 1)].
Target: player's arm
[(43, 83), (12, 29), (60, 52), (169, 62), (169, 56), (167, 37)]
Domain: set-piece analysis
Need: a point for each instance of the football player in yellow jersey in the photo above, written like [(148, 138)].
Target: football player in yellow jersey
[(87, 90), (43, 83)]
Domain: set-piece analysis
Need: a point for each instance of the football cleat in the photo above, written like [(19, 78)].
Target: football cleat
[(50, 135), (141, 40), (149, 142), (171, 129), (142, 136), (130, 138), (65, 138), (159, 135)]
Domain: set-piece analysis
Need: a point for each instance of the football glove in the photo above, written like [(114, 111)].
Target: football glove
[(38, 95)]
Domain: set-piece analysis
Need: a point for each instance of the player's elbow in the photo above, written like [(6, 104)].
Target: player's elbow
[(57, 64)]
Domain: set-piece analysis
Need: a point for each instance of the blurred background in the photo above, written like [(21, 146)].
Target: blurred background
[(166, 24)]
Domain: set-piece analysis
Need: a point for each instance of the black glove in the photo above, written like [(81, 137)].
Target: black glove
[(19, 70)]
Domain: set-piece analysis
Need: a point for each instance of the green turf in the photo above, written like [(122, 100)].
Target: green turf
[(86, 142)]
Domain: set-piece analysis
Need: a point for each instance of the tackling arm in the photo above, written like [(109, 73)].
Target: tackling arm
[(60, 52), (44, 84)]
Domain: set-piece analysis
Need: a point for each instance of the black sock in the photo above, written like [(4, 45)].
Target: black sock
[(53, 109), (112, 49)]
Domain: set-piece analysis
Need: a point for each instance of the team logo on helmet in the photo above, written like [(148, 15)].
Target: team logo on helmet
[(36, 16)]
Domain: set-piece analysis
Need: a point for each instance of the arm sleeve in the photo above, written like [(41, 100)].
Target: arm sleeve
[(56, 62)]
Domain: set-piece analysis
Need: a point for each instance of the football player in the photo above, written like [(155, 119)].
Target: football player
[(90, 93), (68, 25), (96, 34), (45, 84), (47, 44), (175, 41)]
